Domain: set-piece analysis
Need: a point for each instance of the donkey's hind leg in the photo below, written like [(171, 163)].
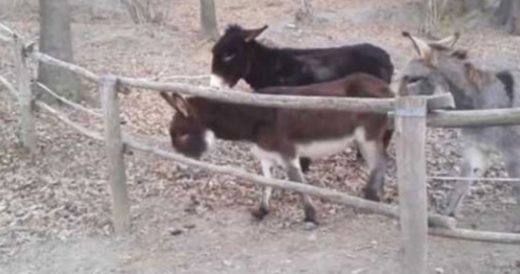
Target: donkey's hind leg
[(475, 164), (263, 209), (296, 175)]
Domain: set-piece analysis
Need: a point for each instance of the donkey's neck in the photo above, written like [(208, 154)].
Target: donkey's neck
[(457, 84), (467, 96), (234, 122), (461, 95)]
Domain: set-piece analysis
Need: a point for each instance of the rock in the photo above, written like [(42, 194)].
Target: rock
[(189, 226), (313, 237), (310, 226), (176, 232)]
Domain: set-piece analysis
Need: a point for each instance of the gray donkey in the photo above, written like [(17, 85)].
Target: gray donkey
[(438, 69)]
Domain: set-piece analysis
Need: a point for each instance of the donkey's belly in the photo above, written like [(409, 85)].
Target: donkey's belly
[(323, 148)]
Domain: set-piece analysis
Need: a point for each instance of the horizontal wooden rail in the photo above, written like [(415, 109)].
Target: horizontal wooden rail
[(475, 235), (326, 194), (468, 118), (188, 77), (62, 117), (72, 67), (295, 102), (5, 38), (68, 102), (472, 118), (7, 29), (481, 179), (10, 88)]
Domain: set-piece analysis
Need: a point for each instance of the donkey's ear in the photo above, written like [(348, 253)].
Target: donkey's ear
[(167, 98), (251, 34), (421, 47), (447, 42), (178, 103), (182, 106)]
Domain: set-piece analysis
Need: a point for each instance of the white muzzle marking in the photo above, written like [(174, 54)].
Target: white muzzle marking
[(209, 138), (217, 81)]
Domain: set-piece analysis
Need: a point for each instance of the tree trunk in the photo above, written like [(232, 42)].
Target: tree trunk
[(208, 19), (142, 11), (513, 23), (434, 10), (55, 40), (508, 14)]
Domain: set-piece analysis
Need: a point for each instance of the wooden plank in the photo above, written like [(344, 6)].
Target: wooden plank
[(44, 58), (326, 194), (62, 117), (27, 128), (471, 118), (10, 88), (68, 102), (410, 130), (468, 118), (476, 235), (115, 155), (377, 105), (5, 39)]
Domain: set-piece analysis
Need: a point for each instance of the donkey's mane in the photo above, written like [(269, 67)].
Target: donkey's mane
[(233, 28)]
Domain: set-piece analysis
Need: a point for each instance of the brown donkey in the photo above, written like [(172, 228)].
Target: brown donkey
[(281, 135)]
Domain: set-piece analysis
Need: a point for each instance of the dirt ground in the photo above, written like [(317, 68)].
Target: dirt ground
[(55, 207)]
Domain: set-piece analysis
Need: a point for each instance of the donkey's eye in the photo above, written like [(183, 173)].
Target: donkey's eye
[(228, 56), (415, 79), (183, 138)]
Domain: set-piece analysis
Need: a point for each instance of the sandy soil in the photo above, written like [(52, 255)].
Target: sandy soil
[(54, 208)]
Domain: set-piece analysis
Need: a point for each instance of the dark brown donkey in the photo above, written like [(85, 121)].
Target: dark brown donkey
[(281, 136)]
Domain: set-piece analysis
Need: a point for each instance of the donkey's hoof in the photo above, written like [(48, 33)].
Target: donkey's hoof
[(450, 212), (259, 213), (372, 195), (310, 226)]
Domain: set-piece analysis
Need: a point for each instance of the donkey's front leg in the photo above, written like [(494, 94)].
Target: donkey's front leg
[(296, 175), (263, 209), (475, 165)]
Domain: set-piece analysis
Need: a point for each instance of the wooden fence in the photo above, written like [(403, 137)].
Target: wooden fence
[(410, 115)]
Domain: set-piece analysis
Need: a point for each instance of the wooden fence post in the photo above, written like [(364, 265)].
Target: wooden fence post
[(27, 129), (115, 156), (410, 129)]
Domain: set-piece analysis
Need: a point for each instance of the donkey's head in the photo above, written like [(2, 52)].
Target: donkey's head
[(189, 135), (438, 68), (232, 55)]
